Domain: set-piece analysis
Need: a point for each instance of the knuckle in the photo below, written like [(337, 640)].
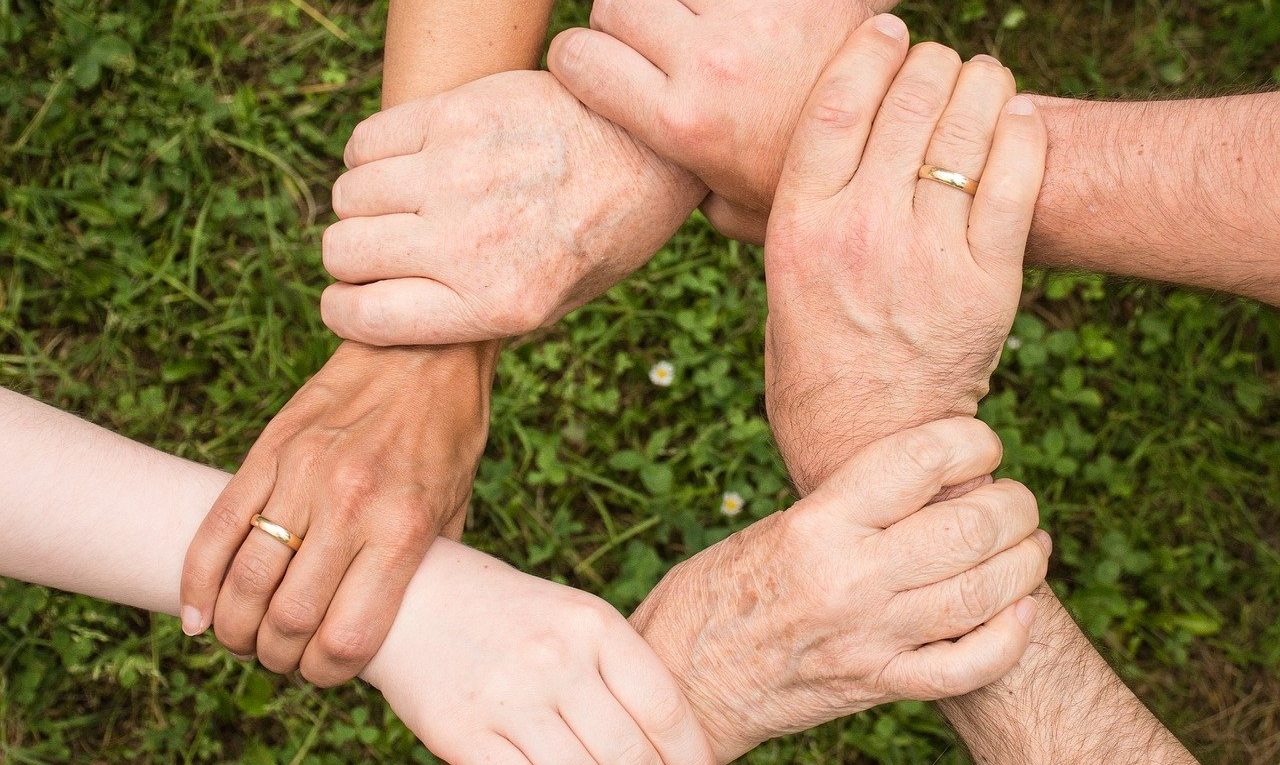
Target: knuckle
[(965, 131), (340, 198), (836, 106), (593, 616), (335, 249), (351, 483), (667, 714), (688, 127), (915, 100), (1004, 201), (548, 651), (360, 138), (974, 591), (293, 617), (924, 452), (722, 63), (346, 646), (252, 576), (976, 527)]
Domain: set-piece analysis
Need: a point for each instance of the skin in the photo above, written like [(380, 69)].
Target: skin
[(1004, 146), (1176, 191), (374, 457), (490, 211), (526, 671), (523, 670)]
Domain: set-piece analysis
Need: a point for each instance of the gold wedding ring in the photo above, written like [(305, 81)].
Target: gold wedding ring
[(950, 178), (277, 532)]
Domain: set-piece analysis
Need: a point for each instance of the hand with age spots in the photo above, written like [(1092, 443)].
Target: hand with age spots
[(860, 594), (490, 211)]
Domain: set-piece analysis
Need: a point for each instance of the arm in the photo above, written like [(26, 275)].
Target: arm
[(1061, 704), (523, 671), (392, 437), (931, 296), (515, 658), (1182, 191), (1178, 191)]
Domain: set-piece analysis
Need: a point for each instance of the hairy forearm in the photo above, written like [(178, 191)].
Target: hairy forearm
[(1061, 704), (1180, 191)]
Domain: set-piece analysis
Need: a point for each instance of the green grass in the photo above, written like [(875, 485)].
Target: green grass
[(163, 185)]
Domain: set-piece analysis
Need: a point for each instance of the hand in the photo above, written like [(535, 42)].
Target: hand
[(890, 297), (715, 86), (489, 665), (490, 211), (852, 597), (371, 459)]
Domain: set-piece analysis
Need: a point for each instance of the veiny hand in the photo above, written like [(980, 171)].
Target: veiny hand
[(490, 211), (890, 297), (852, 597), (368, 462), (716, 86), (489, 665)]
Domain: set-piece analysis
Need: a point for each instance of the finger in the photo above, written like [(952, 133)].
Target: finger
[(951, 537), (656, 29), (735, 222), (362, 250), (255, 573), (910, 112), (963, 138), (986, 654), (299, 604), (644, 687), (613, 80), (383, 187), (547, 738), (410, 311), (220, 535), (400, 130), (957, 605), (361, 613), (833, 128), (897, 475), (1001, 217), (606, 729)]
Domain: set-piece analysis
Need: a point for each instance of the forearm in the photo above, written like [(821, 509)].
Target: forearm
[(1180, 191), (436, 45), (1061, 704)]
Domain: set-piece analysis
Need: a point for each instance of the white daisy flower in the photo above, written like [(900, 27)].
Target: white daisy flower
[(731, 503), (662, 374), (1013, 343)]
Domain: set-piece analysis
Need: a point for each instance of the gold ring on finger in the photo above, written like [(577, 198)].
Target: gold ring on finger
[(950, 178)]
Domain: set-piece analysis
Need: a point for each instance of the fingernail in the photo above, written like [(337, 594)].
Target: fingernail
[(192, 622), (987, 59), (1020, 105), (891, 26), (1045, 540), (1025, 610)]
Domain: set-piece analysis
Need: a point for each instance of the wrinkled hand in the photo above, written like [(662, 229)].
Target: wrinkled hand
[(368, 467), (490, 211), (489, 665), (890, 297), (850, 598), (716, 86)]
